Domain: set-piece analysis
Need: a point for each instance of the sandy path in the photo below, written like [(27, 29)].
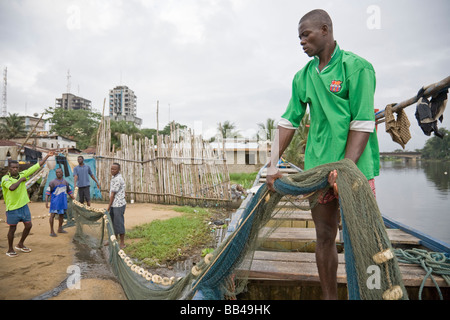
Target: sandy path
[(32, 274)]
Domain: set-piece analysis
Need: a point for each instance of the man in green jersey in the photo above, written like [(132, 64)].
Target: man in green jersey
[(16, 200), (339, 88)]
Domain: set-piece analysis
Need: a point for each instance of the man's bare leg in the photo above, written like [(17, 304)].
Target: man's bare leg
[(26, 231), (326, 220)]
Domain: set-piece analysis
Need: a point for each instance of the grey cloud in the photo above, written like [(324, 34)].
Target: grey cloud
[(210, 60)]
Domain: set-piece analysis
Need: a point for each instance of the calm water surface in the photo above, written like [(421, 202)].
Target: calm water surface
[(417, 195)]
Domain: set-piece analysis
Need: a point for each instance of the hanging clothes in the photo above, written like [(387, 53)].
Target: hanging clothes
[(398, 129), (32, 155), (62, 161), (425, 117), (438, 104)]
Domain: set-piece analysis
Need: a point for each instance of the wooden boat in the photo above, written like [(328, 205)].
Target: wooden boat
[(284, 267)]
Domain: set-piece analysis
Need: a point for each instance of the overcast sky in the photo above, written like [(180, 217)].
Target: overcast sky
[(208, 61)]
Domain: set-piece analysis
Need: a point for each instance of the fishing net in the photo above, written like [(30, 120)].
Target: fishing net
[(366, 244), (90, 227)]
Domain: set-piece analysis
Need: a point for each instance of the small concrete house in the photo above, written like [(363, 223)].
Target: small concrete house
[(244, 155)]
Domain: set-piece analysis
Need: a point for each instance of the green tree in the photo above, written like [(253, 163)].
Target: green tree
[(12, 126), (437, 148), (175, 125), (123, 127), (149, 133), (80, 125), (228, 130), (266, 130)]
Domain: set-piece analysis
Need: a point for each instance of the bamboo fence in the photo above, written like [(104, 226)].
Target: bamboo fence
[(177, 169)]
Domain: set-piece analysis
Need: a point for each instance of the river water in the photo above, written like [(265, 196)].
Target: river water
[(417, 195)]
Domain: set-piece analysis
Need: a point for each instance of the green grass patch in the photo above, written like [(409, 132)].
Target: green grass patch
[(167, 240), (246, 180)]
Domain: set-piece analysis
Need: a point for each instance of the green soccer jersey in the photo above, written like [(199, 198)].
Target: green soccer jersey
[(19, 197), (340, 98)]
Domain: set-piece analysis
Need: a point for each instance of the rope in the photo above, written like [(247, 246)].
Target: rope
[(432, 262)]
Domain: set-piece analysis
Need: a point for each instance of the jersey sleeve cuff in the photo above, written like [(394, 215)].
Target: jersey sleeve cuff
[(285, 123), (364, 126)]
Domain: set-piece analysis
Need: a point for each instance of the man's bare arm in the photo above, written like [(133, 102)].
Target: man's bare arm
[(283, 138), (111, 200), (50, 154), (15, 185), (356, 143)]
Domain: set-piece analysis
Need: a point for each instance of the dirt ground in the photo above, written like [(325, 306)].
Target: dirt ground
[(30, 275)]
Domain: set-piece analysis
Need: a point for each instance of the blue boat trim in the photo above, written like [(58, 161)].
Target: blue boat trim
[(425, 240)]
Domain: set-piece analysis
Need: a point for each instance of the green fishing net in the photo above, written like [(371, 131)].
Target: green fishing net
[(366, 245)]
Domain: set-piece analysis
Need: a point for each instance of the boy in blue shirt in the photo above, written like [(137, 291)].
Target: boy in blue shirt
[(57, 190)]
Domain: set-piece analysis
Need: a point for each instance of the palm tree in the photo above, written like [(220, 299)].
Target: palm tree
[(266, 131), (227, 129), (12, 126)]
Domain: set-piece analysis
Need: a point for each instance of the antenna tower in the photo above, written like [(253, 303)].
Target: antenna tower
[(4, 99), (68, 81)]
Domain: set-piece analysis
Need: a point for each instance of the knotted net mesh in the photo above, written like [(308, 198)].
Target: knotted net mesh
[(366, 243)]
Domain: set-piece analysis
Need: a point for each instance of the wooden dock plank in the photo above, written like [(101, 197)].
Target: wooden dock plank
[(309, 234), (297, 215), (301, 266), (298, 203)]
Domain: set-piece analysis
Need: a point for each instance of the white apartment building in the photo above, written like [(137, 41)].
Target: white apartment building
[(123, 105)]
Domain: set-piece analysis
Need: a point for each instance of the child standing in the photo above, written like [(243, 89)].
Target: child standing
[(57, 190)]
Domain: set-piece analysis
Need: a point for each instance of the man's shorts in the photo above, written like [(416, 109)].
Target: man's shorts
[(58, 211), (23, 214), (117, 218), (84, 193), (329, 195)]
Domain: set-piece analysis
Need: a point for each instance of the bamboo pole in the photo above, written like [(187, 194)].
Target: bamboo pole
[(99, 130), (29, 135), (176, 169)]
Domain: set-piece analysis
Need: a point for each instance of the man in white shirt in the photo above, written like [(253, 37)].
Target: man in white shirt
[(117, 203)]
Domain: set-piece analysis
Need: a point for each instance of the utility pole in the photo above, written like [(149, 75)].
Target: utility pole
[(68, 81)]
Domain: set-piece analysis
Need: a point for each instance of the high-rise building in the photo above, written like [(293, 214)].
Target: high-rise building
[(72, 102), (122, 105), (122, 101)]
